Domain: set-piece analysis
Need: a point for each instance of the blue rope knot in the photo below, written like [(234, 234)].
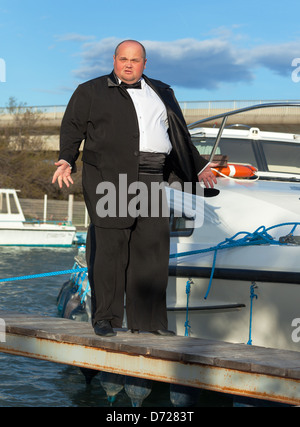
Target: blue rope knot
[(188, 287), (252, 297), (252, 294), (188, 292)]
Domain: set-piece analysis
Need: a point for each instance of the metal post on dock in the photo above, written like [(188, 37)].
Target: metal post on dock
[(2, 330), (70, 208), (86, 217)]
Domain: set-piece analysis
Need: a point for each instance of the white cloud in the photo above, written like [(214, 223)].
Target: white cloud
[(196, 64), (73, 37), (97, 58), (191, 63), (276, 58)]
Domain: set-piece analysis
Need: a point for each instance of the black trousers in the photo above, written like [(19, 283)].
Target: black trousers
[(131, 262)]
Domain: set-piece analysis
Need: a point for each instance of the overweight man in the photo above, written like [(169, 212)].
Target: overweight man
[(134, 135)]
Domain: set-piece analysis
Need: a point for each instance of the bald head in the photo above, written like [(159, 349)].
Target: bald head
[(131, 41)]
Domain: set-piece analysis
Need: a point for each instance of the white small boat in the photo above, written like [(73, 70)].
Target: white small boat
[(16, 231), (236, 275)]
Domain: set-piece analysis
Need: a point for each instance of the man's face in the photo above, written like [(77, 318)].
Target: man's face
[(129, 63)]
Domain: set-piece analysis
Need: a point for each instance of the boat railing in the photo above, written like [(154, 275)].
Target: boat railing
[(41, 221), (225, 115), (38, 222)]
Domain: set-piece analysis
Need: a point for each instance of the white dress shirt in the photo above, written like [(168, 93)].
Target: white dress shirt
[(152, 119)]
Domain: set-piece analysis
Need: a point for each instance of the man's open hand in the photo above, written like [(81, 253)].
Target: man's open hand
[(62, 174)]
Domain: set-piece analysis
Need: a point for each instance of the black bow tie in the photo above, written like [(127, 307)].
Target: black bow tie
[(136, 85)]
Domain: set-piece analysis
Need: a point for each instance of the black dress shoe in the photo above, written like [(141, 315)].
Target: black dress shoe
[(164, 333), (104, 329)]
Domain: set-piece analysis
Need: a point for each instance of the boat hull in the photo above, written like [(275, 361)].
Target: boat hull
[(37, 236), (16, 231), (226, 313)]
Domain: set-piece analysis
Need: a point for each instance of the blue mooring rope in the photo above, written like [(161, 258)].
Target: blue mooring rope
[(52, 273), (252, 297), (188, 292)]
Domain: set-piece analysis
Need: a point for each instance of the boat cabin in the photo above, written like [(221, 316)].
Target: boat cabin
[(10, 208)]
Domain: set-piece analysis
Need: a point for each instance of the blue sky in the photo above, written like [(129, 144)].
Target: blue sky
[(207, 50)]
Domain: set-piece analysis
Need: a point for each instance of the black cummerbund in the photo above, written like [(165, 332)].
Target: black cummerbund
[(151, 163)]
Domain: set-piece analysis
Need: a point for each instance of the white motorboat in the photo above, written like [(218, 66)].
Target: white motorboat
[(235, 276), (16, 231)]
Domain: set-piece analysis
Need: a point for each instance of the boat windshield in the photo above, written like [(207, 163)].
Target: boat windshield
[(237, 150), (13, 206), (3, 204), (266, 156), (8, 204), (282, 156)]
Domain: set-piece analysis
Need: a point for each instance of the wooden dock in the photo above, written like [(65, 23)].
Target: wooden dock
[(237, 369)]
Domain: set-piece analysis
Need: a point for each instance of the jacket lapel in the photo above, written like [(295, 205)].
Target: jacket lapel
[(183, 164)]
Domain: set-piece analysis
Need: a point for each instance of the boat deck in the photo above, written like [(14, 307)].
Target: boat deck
[(237, 369)]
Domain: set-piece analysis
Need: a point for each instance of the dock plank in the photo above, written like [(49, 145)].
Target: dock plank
[(185, 349), (183, 360)]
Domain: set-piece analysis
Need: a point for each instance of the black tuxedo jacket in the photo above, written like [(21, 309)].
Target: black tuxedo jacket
[(101, 113)]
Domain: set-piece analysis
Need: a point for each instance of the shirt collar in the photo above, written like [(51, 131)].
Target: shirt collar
[(140, 80), (113, 80)]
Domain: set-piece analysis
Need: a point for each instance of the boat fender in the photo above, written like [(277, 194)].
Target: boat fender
[(66, 287), (79, 314), (89, 374), (137, 389), (183, 396), (61, 290), (73, 303), (68, 296), (112, 384)]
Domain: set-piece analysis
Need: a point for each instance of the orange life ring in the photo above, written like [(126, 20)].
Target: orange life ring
[(236, 170)]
